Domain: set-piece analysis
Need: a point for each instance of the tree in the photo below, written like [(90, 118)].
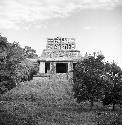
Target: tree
[(87, 79), (15, 67), (29, 52), (11, 54), (113, 89)]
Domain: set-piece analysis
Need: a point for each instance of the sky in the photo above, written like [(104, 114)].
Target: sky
[(95, 24)]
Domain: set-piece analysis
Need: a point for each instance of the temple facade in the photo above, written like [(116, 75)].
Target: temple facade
[(59, 57)]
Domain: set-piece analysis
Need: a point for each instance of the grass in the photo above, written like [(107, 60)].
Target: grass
[(50, 103), (32, 113)]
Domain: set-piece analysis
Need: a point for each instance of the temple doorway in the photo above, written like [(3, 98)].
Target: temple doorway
[(61, 67)]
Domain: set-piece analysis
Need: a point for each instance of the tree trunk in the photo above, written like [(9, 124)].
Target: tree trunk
[(113, 107)]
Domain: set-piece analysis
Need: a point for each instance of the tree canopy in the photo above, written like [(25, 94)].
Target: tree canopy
[(94, 79), (14, 66), (87, 78), (10, 55), (113, 89), (29, 52)]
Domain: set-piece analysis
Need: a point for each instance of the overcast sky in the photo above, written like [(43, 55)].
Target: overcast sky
[(95, 24)]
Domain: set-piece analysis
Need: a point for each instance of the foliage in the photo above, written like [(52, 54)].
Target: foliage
[(29, 52), (87, 79), (14, 67), (56, 92), (26, 70), (97, 80), (113, 90), (11, 54)]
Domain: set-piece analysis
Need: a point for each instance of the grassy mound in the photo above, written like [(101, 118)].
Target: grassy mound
[(46, 90)]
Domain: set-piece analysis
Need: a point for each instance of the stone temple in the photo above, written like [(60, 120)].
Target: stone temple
[(59, 57)]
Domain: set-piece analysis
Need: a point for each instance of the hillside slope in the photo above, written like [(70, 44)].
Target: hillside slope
[(42, 89)]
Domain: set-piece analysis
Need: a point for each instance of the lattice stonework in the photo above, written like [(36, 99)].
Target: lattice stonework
[(60, 54)]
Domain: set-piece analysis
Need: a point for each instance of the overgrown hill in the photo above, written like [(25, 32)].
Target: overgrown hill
[(53, 91)]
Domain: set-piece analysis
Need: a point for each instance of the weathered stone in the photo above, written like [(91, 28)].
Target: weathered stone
[(61, 55)]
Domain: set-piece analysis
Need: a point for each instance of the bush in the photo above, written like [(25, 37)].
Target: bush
[(26, 70)]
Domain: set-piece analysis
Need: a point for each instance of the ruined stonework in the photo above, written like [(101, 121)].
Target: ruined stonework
[(59, 57)]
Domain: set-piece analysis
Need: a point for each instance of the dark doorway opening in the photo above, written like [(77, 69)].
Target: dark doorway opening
[(47, 67), (61, 67), (74, 64)]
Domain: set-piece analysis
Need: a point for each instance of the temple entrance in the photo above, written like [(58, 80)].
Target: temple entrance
[(47, 67), (74, 64), (61, 67)]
